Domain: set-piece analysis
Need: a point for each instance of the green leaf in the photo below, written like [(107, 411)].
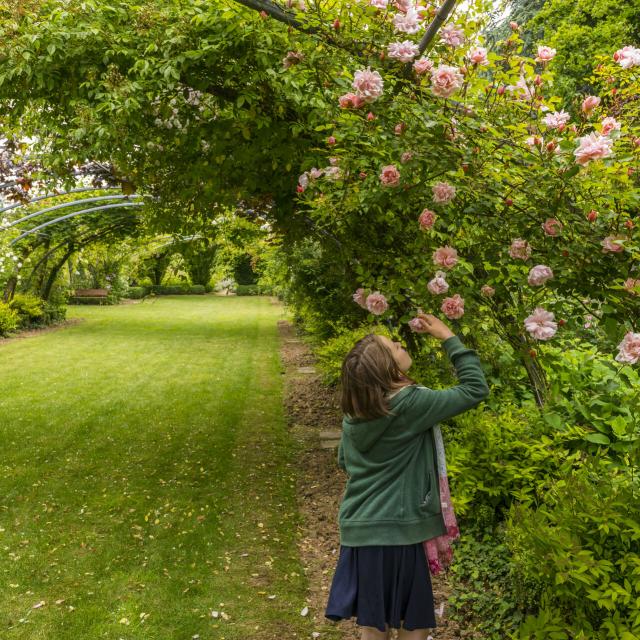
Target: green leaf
[(598, 438)]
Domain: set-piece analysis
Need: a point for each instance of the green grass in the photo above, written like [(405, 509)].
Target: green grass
[(146, 477)]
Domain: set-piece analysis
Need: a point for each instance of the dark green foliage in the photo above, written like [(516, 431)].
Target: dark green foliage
[(198, 289), (176, 289), (54, 312), (243, 272)]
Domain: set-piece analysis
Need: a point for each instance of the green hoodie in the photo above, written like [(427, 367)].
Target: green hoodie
[(392, 495)]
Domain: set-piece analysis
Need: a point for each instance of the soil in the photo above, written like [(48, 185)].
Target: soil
[(313, 407), (30, 333)]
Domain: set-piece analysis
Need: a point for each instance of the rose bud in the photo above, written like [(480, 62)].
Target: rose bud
[(300, 189), (336, 24), (592, 215), (562, 322), (501, 90), (565, 253), (508, 201), (629, 224), (370, 116), (331, 140)]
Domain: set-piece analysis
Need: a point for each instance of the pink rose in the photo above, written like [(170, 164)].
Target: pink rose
[(315, 173), (390, 176), (590, 103), (479, 56), (608, 125), (406, 156), (534, 141), (453, 307), (445, 80), (540, 324), (303, 180), (588, 321), (627, 57), (556, 120), (445, 257), (427, 219), (359, 297), (520, 249), (629, 348), (422, 66), (452, 35), (613, 244), (443, 192), (402, 5), (379, 4), (438, 285), (487, 291), (418, 324), (368, 84), (376, 303), (552, 227), (593, 147), (404, 51), (632, 286), (545, 54), (539, 275), (399, 128), (408, 22), (350, 101)]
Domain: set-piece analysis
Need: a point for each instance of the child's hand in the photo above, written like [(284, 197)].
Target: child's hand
[(435, 326)]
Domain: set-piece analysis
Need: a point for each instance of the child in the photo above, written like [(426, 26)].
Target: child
[(391, 503)]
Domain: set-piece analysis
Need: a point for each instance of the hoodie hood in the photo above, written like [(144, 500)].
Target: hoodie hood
[(365, 433)]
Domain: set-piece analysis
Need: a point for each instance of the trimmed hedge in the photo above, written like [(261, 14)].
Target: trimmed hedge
[(177, 289), (248, 290), (135, 293)]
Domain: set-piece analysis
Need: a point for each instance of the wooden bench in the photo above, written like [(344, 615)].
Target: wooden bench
[(91, 293)]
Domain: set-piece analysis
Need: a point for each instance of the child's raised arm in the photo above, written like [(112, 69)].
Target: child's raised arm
[(430, 407)]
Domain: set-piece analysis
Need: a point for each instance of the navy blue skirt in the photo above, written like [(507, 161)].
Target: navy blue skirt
[(383, 585)]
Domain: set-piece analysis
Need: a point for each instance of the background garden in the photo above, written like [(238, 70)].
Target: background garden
[(362, 161)]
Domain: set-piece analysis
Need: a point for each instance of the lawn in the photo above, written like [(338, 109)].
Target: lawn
[(146, 478)]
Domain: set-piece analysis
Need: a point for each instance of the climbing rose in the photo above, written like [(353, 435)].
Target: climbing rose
[(438, 285), (427, 219), (419, 325), (629, 348), (404, 51), (422, 66), (368, 84), (545, 54), (613, 244), (552, 227), (556, 120), (408, 22), (590, 103), (379, 4), (487, 290), (540, 324), (627, 57), (608, 125), (376, 303), (351, 101), (445, 80), (406, 156), (539, 275), (360, 298), (303, 180), (445, 257), (452, 35), (630, 284), (520, 249), (390, 176), (453, 307), (525, 92), (593, 147), (479, 56), (443, 192)]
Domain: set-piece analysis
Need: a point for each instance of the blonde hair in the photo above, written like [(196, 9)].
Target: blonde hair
[(369, 373)]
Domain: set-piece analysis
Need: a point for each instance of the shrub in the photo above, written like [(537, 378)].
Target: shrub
[(53, 312), (248, 290), (583, 545), (198, 289), (30, 309), (135, 293), (169, 290), (8, 319)]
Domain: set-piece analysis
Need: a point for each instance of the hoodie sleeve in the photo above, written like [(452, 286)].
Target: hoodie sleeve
[(430, 407), (341, 462)]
